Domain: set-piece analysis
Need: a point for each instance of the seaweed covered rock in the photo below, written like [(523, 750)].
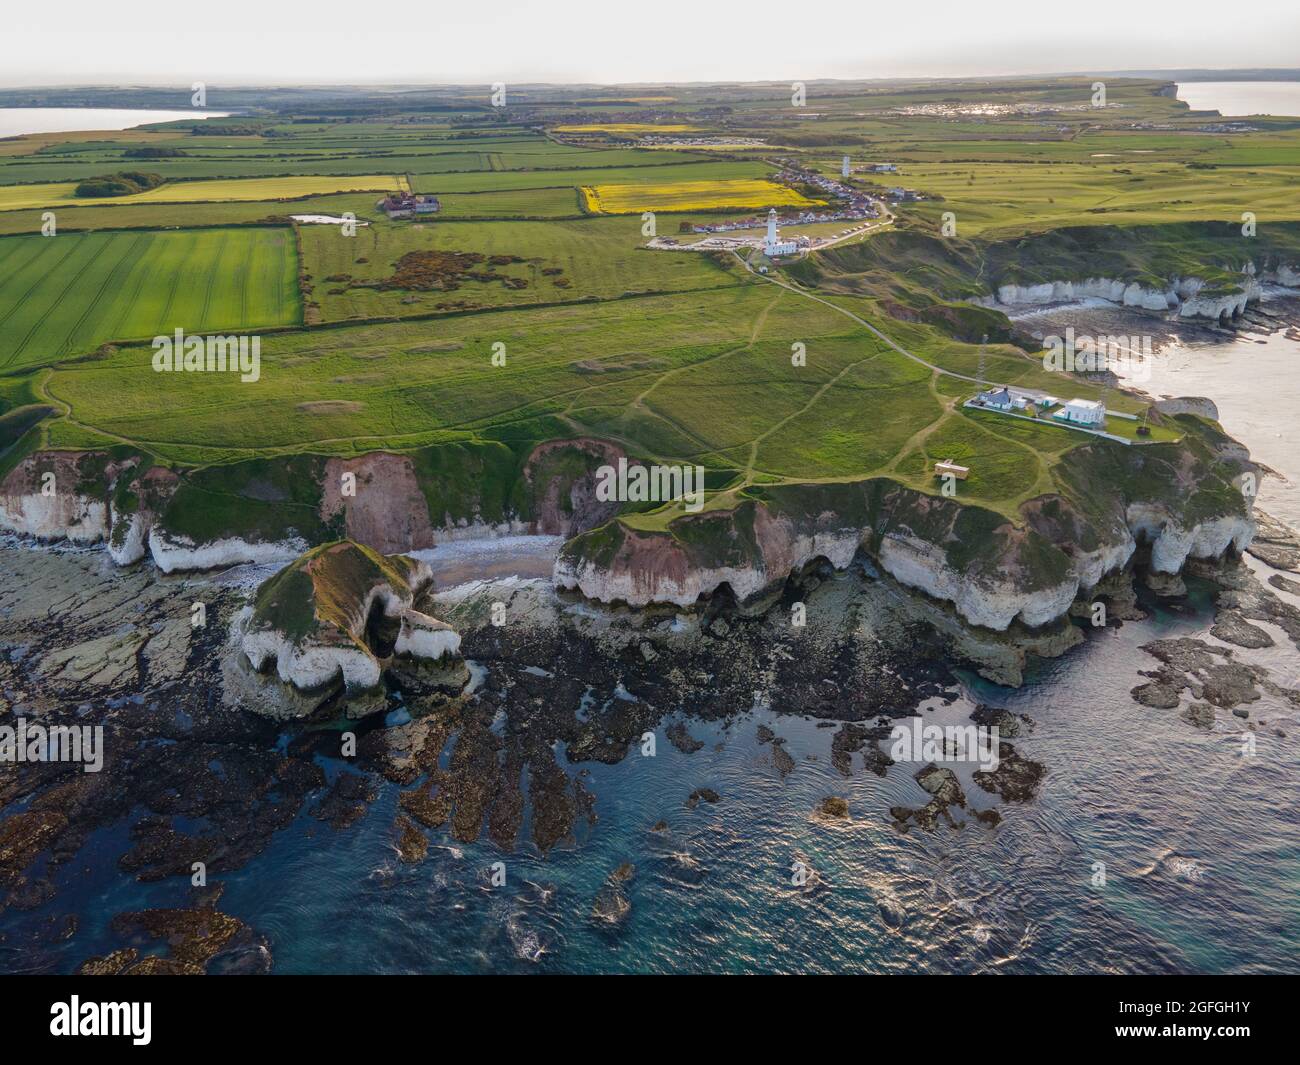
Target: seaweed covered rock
[(337, 618)]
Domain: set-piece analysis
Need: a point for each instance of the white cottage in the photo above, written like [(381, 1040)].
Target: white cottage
[(1082, 412), (997, 398)]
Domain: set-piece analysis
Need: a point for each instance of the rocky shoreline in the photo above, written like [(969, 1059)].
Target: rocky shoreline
[(560, 686)]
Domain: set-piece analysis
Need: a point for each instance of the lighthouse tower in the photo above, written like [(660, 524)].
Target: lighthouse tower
[(844, 167), (773, 245)]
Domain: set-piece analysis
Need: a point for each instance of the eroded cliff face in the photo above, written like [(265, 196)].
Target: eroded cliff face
[(560, 475), (379, 499), (52, 496), (1189, 297), (1184, 501), (384, 507)]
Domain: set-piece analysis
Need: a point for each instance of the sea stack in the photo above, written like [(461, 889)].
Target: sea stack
[(335, 620)]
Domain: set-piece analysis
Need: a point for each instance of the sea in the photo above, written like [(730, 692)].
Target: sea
[(1239, 99), (1152, 846), (16, 121)]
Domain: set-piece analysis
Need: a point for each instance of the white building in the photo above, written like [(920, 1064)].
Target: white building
[(844, 167), (997, 398), (1082, 412), (773, 245)]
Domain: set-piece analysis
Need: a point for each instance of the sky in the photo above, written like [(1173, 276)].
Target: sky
[(269, 42)]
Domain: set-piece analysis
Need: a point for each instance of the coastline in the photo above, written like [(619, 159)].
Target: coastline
[(567, 689)]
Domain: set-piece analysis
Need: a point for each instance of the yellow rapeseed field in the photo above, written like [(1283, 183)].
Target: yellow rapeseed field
[(18, 197), (690, 196)]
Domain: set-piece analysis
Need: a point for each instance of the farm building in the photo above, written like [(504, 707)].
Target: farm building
[(1082, 412), (404, 205)]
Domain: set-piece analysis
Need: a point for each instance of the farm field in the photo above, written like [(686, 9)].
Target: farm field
[(513, 203), (1002, 200), (183, 215), (247, 157), (624, 127), (690, 196), (69, 294), (548, 262), (17, 197)]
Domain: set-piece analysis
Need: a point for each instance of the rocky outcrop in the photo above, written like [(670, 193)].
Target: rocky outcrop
[(1201, 406), (920, 540), (138, 499), (1173, 543), (171, 552), (332, 621)]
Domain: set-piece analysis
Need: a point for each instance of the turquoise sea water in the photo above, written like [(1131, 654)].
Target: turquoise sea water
[(1200, 845)]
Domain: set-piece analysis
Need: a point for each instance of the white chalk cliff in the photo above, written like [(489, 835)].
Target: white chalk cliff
[(1186, 295)]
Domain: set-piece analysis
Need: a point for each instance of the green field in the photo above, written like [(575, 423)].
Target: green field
[(68, 294), (562, 261), (653, 374), (675, 355), (1002, 199)]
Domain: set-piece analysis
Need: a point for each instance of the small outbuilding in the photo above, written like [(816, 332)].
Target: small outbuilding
[(949, 468)]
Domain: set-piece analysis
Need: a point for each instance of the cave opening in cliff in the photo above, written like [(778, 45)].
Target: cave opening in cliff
[(381, 630)]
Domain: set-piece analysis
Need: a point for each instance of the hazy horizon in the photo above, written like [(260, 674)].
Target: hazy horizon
[(81, 44)]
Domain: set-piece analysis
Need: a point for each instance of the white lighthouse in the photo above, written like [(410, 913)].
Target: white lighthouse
[(773, 244), (844, 167)]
